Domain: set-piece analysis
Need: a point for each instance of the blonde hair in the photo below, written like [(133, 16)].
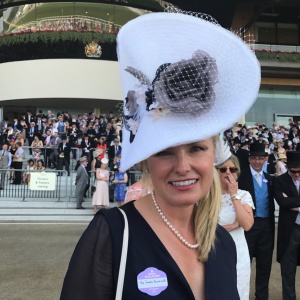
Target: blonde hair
[(206, 216)]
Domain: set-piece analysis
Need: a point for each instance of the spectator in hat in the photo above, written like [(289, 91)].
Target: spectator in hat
[(260, 139), (260, 237), (82, 180), (286, 192), (243, 155), (64, 150), (174, 230), (236, 145), (86, 146), (101, 196), (30, 135), (281, 164), (112, 152), (236, 214), (108, 135), (281, 149)]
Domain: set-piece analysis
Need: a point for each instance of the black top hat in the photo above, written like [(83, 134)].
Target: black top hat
[(236, 140), (293, 159), (275, 149), (257, 149)]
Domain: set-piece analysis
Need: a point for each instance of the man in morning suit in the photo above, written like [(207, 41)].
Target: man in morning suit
[(286, 192), (82, 180), (64, 150), (260, 238), (5, 162), (112, 152)]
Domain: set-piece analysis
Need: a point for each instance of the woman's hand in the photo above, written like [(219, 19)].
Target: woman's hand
[(232, 184)]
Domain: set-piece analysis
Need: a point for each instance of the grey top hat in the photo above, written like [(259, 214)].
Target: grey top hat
[(83, 158)]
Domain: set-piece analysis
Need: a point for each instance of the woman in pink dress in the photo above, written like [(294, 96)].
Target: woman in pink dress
[(101, 196)]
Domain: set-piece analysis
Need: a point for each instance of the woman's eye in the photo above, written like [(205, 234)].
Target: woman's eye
[(163, 153), (196, 149)]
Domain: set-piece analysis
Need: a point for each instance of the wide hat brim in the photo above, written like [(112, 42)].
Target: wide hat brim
[(149, 41), (258, 153)]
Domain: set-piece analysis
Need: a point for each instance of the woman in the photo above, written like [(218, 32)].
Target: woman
[(12, 149), (140, 188), (96, 164), (280, 147), (102, 145), (174, 235), (120, 181), (20, 139), (101, 196), (37, 146), (24, 128), (281, 164), (40, 166), (29, 169), (236, 216)]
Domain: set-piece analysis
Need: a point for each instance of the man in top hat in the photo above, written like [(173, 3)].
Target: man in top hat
[(31, 131), (64, 150), (82, 181), (260, 237), (243, 155), (286, 192), (112, 152)]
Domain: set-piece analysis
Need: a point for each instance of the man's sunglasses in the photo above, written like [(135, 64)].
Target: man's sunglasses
[(294, 171), (231, 169)]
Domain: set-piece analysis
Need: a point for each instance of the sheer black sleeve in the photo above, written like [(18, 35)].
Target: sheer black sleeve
[(89, 274)]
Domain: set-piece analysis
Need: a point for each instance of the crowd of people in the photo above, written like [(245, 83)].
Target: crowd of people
[(277, 139), (53, 140)]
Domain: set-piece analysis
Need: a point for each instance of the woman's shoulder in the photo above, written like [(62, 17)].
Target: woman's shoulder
[(246, 197)]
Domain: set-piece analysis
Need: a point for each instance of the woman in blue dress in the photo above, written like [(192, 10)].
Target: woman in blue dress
[(121, 179)]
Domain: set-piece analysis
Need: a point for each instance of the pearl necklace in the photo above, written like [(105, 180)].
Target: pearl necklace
[(178, 235)]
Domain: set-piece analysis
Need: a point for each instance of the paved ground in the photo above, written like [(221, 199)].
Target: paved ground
[(34, 259)]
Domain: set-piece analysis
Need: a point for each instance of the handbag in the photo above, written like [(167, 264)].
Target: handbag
[(122, 269)]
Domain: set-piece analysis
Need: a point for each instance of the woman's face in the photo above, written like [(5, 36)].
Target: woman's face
[(224, 177), (103, 166), (182, 175)]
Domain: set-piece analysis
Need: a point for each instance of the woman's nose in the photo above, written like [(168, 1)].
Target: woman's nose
[(182, 164)]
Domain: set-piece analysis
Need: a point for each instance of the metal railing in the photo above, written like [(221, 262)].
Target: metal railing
[(22, 190), (275, 48), (64, 184)]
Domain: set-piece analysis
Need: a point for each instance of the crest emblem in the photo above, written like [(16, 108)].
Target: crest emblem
[(93, 50)]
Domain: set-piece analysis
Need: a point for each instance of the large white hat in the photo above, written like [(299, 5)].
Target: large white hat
[(184, 79)]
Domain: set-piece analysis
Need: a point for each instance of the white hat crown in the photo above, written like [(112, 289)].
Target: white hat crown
[(184, 79)]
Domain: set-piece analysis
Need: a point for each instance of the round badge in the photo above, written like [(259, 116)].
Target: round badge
[(152, 281)]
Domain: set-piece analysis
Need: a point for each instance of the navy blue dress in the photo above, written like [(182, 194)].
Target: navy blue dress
[(94, 267)]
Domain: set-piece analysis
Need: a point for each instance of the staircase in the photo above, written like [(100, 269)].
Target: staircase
[(45, 211)]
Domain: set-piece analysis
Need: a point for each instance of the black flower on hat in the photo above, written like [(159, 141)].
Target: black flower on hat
[(186, 86)]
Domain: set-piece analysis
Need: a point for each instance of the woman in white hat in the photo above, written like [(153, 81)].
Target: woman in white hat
[(180, 74), (101, 195)]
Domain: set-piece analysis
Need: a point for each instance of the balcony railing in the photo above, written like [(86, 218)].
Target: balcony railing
[(280, 53)]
